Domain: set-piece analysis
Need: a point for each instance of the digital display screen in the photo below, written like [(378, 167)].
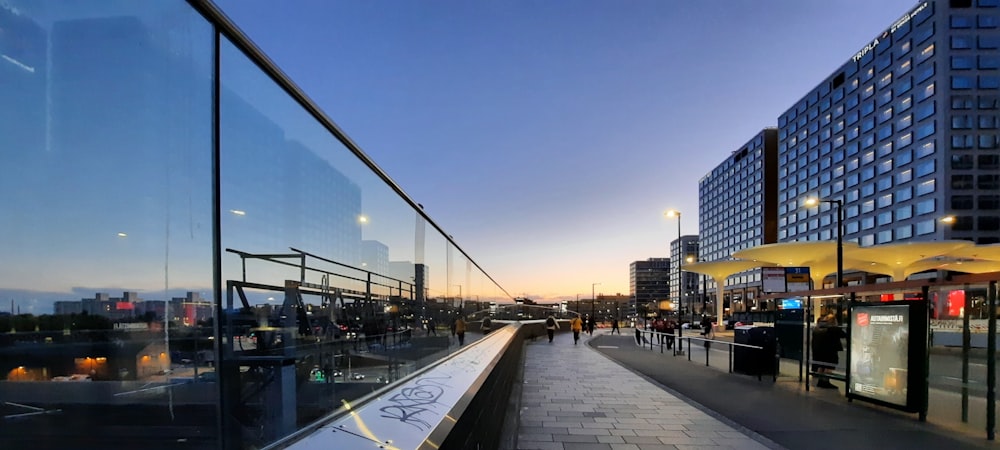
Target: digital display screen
[(791, 303), (880, 344)]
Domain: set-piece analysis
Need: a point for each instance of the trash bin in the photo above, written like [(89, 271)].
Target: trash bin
[(752, 361)]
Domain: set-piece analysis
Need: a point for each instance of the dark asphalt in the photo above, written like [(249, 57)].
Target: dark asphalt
[(783, 412)]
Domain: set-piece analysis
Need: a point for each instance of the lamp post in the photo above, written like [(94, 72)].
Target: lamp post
[(592, 300), (840, 234), (680, 260)]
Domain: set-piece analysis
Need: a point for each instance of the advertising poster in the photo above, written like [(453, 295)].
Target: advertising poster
[(880, 343)]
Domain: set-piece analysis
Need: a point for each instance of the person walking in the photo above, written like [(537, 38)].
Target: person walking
[(431, 327), (460, 330), (660, 327), (591, 323), (551, 325), (614, 327), (576, 325), (669, 327)]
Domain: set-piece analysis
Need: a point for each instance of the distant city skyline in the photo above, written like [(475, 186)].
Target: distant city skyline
[(549, 139)]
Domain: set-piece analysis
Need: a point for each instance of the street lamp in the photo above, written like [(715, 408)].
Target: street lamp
[(592, 300), (840, 234), (680, 260)]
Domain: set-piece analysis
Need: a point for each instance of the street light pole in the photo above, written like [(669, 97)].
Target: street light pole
[(592, 300), (840, 234), (680, 262)]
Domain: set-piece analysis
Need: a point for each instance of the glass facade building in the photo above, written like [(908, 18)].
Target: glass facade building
[(649, 283), (738, 207), (195, 256), (683, 284), (904, 133)]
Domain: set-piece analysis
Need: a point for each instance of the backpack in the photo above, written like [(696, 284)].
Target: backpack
[(550, 322)]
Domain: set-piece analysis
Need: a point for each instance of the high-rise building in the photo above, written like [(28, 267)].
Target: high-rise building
[(904, 133), (649, 283), (683, 285), (738, 207)]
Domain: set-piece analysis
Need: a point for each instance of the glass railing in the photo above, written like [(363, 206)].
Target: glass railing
[(194, 255)]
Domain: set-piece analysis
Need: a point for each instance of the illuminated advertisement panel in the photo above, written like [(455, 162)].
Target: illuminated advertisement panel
[(880, 353)]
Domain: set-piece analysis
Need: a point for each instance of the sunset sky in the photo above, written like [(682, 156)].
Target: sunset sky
[(548, 137)]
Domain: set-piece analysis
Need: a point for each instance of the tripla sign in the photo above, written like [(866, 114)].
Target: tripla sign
[(895, 26)]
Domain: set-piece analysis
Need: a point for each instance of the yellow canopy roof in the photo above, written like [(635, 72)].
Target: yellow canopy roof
[(989, 252), (903, 259), (720, 270), (819, 256)]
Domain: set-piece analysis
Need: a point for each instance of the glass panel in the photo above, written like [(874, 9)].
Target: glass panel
[(332, 277), (107, 240)]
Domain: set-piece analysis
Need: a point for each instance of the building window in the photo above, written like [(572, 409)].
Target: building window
[(988, 223), (927, 187), (904, 232), (962, 141), (925, 207), (925, 227), (961, 121), (962, 21), (989, 162), (961, 42), (904, 212), (990, 202), (961, 182), (904, 176), (963, 102), (988, 182), (989, 82), (924, 130), (926, 149), (962, 161), (961, 202), (884, 201), (904, 194), (925, 110), (926, 92), (989, 62)]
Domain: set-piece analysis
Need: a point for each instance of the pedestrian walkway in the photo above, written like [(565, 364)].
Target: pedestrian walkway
[(575, 398)]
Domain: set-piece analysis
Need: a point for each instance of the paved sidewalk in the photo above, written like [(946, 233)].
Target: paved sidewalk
[(575, 398)]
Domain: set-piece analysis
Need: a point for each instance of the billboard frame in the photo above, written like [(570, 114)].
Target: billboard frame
[(917, 353)]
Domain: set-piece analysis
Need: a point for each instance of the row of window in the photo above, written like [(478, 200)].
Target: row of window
[(986, 202), (983, 101), (965, 182), (965, 161), (973, 21), (970, 62), (902, 232)]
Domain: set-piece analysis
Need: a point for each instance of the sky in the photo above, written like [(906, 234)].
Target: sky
[(549, 137)]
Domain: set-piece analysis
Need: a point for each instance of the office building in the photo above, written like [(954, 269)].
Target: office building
[(904, 133), (649, 284), (683, 285), (738, 209)]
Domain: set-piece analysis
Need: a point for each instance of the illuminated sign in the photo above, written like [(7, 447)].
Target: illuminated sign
[(895, 26), (880, 353)]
